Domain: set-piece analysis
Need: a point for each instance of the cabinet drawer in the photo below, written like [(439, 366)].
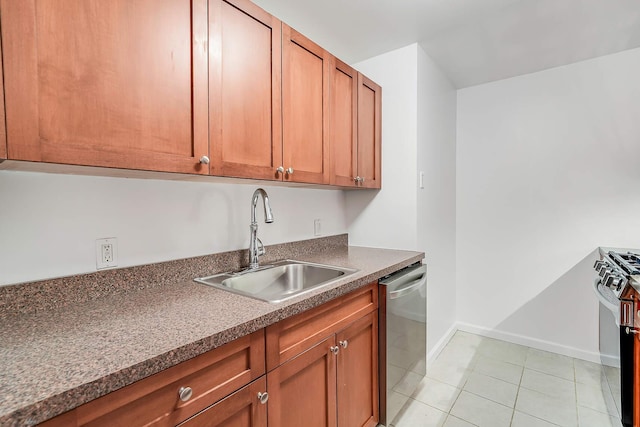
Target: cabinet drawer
[(242, 408), (154, 400), (296, 334)]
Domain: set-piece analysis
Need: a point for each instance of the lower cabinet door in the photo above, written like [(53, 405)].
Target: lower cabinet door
[(241, 409), (357, 373), (302, 391)]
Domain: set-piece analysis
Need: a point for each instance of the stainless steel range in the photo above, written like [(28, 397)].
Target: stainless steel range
[(617, 287)]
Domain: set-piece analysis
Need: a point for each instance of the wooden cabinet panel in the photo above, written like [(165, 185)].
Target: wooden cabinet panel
[(3, 130), (302, 391), (343, 123), (106, 83), (241, 409), (369, 132), (296, 334), (357, 373), (305, 110), (245, 80)]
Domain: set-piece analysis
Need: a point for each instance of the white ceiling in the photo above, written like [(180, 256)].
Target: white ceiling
[(473, 41)]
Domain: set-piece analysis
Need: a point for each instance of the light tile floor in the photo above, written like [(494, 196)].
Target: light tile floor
[(477, 381)]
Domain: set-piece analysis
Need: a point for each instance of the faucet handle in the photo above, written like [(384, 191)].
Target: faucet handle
[(260, 249)]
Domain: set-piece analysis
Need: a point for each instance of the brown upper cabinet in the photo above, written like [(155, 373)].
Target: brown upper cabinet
[(369, 133), (268, 97), (229, 90), (355, 131), (245, 80), (343, 124), (120, 83), (3, 131), (305, 109)]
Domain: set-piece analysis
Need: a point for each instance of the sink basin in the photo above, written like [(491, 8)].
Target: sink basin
[(279, 281)]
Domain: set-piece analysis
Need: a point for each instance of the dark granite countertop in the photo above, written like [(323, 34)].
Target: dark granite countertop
[(56, 359)]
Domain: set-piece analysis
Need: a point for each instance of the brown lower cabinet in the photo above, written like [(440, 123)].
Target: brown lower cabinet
[(323, 364), (332, 384), (321, 370)]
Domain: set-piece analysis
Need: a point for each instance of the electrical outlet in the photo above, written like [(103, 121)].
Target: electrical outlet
[(106, 253), (317, 227)]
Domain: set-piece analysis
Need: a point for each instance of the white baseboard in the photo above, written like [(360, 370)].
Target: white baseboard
[(610, 360), (435, 351), (531, 342)]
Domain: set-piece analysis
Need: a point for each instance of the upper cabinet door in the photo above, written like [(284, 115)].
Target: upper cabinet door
[(3, 130), (245, 79), (369, 132), (118, 83), (305, 108), (343, 123)]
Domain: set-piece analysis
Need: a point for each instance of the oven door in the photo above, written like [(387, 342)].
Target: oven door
[(616, 349)]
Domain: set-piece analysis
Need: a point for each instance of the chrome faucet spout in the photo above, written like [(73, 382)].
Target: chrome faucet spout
[(255, 247)]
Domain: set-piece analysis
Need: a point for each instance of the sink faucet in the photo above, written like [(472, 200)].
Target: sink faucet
[(256, 248)]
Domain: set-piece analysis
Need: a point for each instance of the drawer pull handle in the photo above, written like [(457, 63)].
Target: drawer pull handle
[(334, 349), (185, 393), (263, 397), (344, 343)]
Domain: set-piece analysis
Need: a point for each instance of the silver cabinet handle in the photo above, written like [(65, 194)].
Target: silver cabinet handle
[(204, 160), (185, 393), (357, 179), (290, 171), (344, 343), (334, 349), (280, 169), (362, 180), (263, 397)]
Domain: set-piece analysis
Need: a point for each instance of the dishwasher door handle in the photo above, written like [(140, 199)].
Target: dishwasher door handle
[(408, 288)]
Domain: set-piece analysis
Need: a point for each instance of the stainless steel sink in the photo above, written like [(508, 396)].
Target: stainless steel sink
[(279, 281)]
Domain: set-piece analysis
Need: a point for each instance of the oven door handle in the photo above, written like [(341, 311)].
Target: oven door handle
[(602, 299)]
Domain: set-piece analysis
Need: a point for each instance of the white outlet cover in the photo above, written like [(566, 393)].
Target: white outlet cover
[(100, 263)]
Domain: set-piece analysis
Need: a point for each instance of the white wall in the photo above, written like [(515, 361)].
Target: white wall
[(547, 170), (387, 218), (49, 222), (418, 125), (436, 225)]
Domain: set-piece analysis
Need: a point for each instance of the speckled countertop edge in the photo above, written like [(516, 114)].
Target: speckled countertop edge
[(157, 310)]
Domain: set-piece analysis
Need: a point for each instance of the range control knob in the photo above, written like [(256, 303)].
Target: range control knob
[(611, 280), (604, 270), (598, 264)]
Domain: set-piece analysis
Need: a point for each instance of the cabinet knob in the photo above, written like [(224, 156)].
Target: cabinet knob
[(290, 171), (344, 343), (334, 349), (263, 397), (357, 179), (204, 160), (280, 169), (185, 393)]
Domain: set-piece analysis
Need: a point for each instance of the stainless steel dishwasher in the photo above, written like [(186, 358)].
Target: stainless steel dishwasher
[(402, 337)]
